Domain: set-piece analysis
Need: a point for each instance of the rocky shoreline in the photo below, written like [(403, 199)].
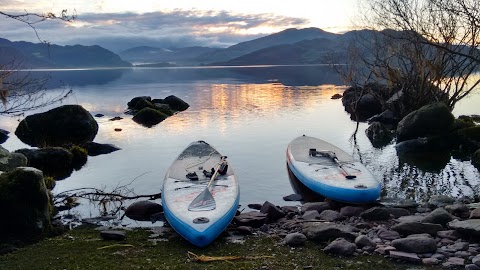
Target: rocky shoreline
[(444, 231)]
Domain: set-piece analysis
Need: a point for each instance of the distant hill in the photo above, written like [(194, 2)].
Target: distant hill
[(315, 51), (41, 55), (288, 36), (149, 55)]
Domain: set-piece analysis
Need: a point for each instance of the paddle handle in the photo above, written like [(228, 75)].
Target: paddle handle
[(219, 165)]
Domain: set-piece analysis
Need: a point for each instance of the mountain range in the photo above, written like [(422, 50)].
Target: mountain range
[(288, 47)]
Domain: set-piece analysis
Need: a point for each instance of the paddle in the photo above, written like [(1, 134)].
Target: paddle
[(205, 201), (333, 156)]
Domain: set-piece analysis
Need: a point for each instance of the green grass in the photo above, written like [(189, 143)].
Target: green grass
[(79, 249)]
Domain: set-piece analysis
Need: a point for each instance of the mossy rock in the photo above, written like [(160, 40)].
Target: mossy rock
[(53, 161), (430, 120), (26, 204), (79, 156), (470, 135), (149, 117), (59, 126)]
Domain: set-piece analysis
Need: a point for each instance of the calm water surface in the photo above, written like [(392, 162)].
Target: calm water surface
[(250, 115)]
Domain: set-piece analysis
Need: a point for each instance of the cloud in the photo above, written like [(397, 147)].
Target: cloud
[(177, 28)]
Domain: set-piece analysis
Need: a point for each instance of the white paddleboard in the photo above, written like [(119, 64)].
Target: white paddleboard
[(200, 225), (344, 179)]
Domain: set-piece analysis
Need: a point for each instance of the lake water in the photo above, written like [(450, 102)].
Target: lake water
[(249, 114)]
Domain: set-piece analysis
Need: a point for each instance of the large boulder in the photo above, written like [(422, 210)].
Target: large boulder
[(53, 161), (59, 126), (10, 161), (26, 204), (430, 120), (176, 103)]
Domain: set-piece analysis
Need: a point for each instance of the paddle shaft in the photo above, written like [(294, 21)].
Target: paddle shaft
[(205, 201), (333, 156)]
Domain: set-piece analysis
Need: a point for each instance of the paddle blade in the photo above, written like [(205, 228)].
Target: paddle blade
[(203, 202)]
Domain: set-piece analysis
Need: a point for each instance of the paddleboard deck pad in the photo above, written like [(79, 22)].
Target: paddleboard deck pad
[(189, 176), (342, 179)]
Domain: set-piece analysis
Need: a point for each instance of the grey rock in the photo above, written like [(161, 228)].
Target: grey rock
[(424, 235), (328, 231), (430, 261), (273, 212), (318, 206), (472, 267), (290, 209), (293, 197), (399, 203), (351, 211), (244, 230), (331, 215), (462, 254), (376, 213), (415, 244), (469, 227), (405, 256), (251, 219), (458, 246), (310, 215), (410, 218), (407, 228), (440, 200), (295, 239), (456, 261), (364, 241), (438, 216), (438, 256), (459, 210), (475, 213), (388, 234), (384, 249), (449, 234), (476, 260), (341, 246)]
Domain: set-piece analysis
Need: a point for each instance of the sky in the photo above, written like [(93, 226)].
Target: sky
[(121, 24)]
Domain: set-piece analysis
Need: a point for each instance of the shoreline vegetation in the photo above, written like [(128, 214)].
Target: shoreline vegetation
[(83, 248)]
